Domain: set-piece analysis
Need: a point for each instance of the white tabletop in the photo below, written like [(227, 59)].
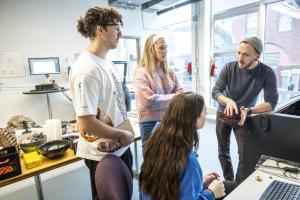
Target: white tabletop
[(252, 189)]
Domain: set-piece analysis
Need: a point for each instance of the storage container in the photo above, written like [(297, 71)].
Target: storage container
[(9, 162)]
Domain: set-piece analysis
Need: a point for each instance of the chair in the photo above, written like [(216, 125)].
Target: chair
[(113, 179)]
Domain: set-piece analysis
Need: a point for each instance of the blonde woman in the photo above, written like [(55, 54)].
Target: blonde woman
[(155, 83)]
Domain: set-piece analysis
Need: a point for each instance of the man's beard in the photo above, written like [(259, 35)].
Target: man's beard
[(247, 66)]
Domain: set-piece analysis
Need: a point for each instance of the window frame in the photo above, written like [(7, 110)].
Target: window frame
[(229, 50)]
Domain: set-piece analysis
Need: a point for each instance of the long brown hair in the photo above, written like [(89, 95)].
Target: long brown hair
[(168, 148)]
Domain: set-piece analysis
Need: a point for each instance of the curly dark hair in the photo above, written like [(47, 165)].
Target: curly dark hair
[(97, 16)]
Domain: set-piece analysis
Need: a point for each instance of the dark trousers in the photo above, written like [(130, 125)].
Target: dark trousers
[(92, 165), (223, 130)]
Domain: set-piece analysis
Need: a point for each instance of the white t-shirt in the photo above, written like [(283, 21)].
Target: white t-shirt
[(94, 83)]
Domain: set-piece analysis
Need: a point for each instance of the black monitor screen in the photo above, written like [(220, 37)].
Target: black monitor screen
[(42, 66), (121, 67), (272, 134)]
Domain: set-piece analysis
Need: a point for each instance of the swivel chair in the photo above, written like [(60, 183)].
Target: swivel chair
[(113, 179)]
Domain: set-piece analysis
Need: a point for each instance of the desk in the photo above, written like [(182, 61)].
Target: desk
[(67, 158), (47, 95), (251, 189)]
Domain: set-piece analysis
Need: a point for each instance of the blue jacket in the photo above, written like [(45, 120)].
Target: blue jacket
[(191, 182)]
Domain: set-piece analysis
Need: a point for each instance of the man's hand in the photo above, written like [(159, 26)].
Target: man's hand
[(231, 108), (126, 138), (109, 145), (244, 113), (209, 178)]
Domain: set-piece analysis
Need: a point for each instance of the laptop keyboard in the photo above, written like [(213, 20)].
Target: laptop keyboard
[(279, 190)]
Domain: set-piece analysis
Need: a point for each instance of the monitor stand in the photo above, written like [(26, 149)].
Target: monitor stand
[(47, 80)]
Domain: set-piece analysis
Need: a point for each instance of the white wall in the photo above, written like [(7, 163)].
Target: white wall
[(46, 28)]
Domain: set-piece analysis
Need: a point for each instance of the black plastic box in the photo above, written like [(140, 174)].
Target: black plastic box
[(9, 162)]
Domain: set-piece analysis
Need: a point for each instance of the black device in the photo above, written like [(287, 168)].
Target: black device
[(275, 134), (50, 86)]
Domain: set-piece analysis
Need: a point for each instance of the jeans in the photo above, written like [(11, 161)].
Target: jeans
[(146, 129), (223, 130)]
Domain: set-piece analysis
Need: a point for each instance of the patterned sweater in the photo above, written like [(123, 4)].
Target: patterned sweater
[(153, 95)]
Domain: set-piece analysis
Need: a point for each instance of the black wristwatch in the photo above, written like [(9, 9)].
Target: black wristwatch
[(209, 190), (249, 111)]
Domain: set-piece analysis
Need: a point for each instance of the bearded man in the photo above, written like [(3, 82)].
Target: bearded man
[(236, 91)]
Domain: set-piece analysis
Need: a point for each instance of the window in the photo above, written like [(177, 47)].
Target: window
[(282, 31), (179, 52), (237, 21), (272, 59), (220, 61), (285, 23), (176, 24), (221, 5), (180, 43), (230, 31), (251, 24)]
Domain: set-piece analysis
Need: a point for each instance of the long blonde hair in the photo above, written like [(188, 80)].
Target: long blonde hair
[(148, 59)]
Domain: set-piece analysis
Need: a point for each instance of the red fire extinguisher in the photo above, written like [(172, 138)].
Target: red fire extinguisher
[(189, 68), (213, 70)]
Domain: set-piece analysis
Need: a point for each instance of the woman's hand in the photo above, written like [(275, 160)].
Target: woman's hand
[(217, 187), (209, 178)]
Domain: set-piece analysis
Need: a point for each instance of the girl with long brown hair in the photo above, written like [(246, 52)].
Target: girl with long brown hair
[(171, 170)]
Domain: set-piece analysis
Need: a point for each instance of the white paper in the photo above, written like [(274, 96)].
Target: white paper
[(11, 65)]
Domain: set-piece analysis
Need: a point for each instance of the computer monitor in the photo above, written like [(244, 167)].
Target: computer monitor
[(273, 134), (121, 67), (44, 66)]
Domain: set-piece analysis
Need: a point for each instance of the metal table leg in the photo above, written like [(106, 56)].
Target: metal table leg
[(39, 188), (49, 106), (136, 172)]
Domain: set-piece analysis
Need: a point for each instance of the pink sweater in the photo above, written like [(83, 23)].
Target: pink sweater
[(153, 97)]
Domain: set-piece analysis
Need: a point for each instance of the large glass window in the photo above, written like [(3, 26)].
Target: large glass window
[(227, 4), (176, 24), (230, 31), (285, 23), (230, 27), (220, 60), (180, 43), (282, 36), (179, 53), (281, 49)]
